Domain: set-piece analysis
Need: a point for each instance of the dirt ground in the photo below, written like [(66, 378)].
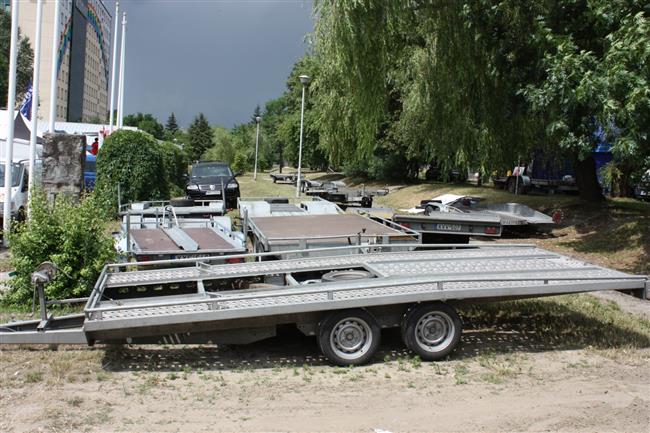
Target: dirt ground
[(576, 363), (573, 364)]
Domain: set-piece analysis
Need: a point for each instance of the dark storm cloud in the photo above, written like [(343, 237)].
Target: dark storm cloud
[(217, 57)]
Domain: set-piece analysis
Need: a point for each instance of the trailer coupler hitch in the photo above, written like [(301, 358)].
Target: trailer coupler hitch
[(44, 274)]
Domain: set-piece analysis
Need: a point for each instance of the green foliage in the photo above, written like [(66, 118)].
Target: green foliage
[(147, 123), (175, 163), (135, 161), (172, 131), (240, 164), (73, 236), (479, 84), (24, 68), (171, 126), (199, 138), (223, 149)]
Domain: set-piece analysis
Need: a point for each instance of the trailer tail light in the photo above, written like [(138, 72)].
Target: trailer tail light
[(235, 260), (557, 216), (407, 225), (490, 230), (144, 258)]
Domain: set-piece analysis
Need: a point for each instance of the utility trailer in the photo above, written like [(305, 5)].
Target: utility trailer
[(277, 225), (510, 215), (337, 192), (437, 224), (447, 227), (284, 178), (343, 300), (162, 231)]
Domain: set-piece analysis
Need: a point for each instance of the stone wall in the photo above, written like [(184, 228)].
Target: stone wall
[(63, 157)]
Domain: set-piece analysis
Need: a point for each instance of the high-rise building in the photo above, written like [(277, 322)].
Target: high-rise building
[(83, 67)]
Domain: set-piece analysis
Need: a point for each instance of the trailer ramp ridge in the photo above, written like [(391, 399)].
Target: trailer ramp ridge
[(397, 278)]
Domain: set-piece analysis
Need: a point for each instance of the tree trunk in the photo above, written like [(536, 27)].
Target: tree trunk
[(586, 179), (623, 181)]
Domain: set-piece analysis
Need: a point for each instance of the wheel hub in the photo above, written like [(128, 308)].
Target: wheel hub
[(434, 331), (351, 338)]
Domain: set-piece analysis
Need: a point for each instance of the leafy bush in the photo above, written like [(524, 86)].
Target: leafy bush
[(240, 164), (134, 160), (73, 236), (175, 162)]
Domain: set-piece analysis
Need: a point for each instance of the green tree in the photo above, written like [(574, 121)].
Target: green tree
[(481, 83), (147, 123), (134, 161), (171, 126), (24, 65), (223, 149), (199, 138)]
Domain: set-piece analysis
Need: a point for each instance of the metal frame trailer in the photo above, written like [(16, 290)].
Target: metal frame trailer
[(284, 177), (311, 224), (157, 230), (343, 300), (450, 226)]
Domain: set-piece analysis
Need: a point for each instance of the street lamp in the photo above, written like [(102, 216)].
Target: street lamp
[(304, 80), (257, 144)]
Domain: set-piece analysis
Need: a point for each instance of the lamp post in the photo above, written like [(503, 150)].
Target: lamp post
[(257, 144), (304, 80)]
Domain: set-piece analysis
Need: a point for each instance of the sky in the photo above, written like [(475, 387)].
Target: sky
[(221, 58)]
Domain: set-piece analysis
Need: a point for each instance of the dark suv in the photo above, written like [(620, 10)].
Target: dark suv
[(207, 179)]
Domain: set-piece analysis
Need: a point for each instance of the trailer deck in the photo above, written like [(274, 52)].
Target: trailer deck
[(281, 224), (255, 296)]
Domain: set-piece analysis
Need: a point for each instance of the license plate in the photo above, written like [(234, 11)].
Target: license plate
[(449, 227), (217, 192), (189, 256)]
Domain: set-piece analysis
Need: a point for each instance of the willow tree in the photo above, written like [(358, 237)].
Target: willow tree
[(413, 75), (485, 82)]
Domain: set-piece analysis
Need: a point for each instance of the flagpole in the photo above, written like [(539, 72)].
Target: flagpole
[(120, 92), (114, 65), (56, 38), (11, 103), (34, 112)]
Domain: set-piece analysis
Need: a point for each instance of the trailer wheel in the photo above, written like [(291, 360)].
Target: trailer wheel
[(431, 330), (349, 337)]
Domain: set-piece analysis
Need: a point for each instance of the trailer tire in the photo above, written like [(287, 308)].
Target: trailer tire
[(366, 202), (349, 337), (431, 330)]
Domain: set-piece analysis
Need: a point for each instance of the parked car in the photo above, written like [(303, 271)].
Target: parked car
[(19, 187), (211, 180), (90, 171)]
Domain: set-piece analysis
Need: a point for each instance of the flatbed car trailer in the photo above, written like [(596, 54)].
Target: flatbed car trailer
[(343, 300), (282, 224), (450, 227), (284, 177)]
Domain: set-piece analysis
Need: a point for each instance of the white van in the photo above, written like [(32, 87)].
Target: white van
[(19, 187)]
